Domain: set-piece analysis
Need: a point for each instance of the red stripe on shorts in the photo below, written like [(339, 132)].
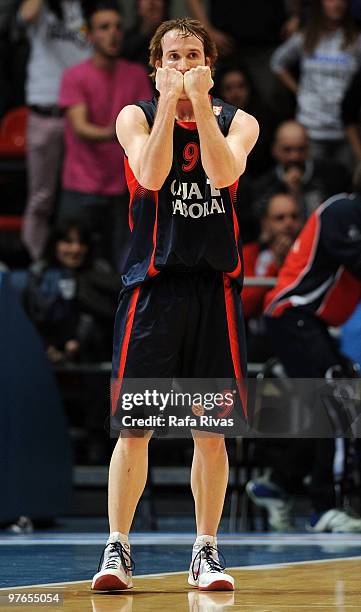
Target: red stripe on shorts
[(234, 341), (232, 189), (117, 385)]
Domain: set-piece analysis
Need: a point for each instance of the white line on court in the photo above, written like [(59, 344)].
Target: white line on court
[(61, 585), (184, 539)]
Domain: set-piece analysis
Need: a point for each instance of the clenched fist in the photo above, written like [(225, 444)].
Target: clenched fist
[(169, 81), (197, 81)]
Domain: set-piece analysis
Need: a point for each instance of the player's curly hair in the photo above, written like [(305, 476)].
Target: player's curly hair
[(187, 27)]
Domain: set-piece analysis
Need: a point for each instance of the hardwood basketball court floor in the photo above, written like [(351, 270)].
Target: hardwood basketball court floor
[(308, 572)]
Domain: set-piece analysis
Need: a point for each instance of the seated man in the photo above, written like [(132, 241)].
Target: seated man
[(281, 221), (318, 286), (311, 182)]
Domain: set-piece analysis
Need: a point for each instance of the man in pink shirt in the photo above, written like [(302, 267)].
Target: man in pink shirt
[(92, 93)]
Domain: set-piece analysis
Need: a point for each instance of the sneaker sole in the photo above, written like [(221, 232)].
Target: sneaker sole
[(110, 583), (218, 585)]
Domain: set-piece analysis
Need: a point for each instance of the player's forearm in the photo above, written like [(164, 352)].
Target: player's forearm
[(217, 158), (157, 155)]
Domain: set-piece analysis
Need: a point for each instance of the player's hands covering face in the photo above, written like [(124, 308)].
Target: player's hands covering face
[(197, 81), (169, 81)]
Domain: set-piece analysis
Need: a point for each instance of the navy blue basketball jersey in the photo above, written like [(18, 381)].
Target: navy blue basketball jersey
[(188, 223)]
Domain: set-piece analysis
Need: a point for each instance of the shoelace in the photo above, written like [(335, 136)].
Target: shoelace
[(206, 553), (116, 550)]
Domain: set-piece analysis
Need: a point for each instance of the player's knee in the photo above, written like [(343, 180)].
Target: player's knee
[(134, 440), (212, 446)]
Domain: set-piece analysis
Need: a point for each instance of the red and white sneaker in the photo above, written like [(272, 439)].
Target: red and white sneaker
[(115, 566), (206, 572)]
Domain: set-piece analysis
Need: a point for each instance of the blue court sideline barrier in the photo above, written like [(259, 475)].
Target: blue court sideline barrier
[(351, 336), (35, 453)]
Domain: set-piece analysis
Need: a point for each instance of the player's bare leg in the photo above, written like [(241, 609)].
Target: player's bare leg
[(209, 480), (127, 477)]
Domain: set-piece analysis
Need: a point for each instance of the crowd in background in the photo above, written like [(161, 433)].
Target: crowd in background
[(293, 64)]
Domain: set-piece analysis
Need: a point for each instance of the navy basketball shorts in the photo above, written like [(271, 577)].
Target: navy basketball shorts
[(181, 325)]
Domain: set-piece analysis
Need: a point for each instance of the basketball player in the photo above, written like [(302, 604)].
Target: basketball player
[(180, 311)]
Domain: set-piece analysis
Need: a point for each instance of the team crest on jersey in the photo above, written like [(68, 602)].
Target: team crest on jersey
[(217, 110)]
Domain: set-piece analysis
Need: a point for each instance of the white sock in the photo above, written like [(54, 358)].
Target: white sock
[(117, 536), (202, 540)]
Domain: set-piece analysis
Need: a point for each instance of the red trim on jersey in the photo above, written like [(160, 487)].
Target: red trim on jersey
[(136, 189), (187, 125), (297, 264), (192, 125), (132, 186), (152, 271), (124, 349), (233, 340), (233, 195)]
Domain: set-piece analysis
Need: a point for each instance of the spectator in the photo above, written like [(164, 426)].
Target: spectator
[(319, 285), (310, 181), (234, 86), (56, 33), (351, 115), (71, 297), (149, 15), (249, 31), (328, 52), (92, 94), (281, 221)]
